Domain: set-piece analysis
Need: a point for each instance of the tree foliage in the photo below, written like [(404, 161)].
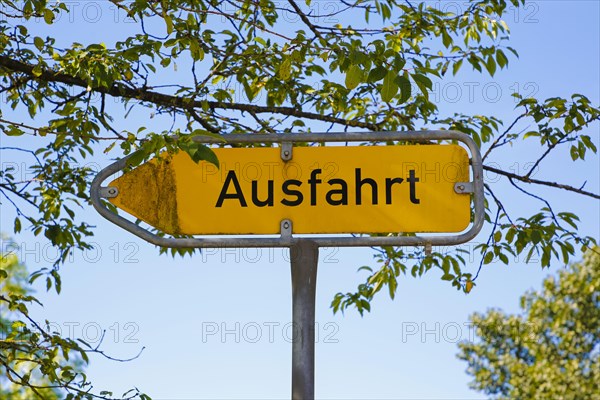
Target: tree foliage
[(551, 350), (14, 375), (376, 75), (35, 361), (205, 67)]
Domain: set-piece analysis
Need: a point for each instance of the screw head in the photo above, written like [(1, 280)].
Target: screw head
[(461, 187), (286, 225), (112, 191)]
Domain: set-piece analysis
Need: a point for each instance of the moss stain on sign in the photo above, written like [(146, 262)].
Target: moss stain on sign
[(156, 203)]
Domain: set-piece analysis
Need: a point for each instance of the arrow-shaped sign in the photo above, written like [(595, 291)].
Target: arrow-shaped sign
[(326, 189)]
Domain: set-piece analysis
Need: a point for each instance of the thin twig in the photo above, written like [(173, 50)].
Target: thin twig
[(540, 182)]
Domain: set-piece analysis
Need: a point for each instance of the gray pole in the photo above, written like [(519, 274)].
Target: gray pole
[(304, 254)]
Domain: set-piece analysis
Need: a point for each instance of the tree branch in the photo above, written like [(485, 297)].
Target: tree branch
[(36, 131), (498, 203), (499, 138), (183, 103), (205, 124), (539, 182), (548, 150), (305, 19)]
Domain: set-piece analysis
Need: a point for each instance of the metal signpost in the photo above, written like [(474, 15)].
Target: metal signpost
[(418, 187)]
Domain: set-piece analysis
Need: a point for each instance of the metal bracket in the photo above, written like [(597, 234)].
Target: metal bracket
[(427, 249), (286, 151), (108, 192), (286, 228), (285, 240), (464, 187)]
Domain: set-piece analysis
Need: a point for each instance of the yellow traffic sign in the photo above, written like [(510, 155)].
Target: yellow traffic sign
[(326, 189)]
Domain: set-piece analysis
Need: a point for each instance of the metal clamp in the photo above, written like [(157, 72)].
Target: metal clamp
[(285, 240), (286, 228), (428, 249), (464, 187), (286, 151)]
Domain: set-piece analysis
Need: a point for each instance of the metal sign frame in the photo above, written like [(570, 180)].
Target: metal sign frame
[(286, 239)]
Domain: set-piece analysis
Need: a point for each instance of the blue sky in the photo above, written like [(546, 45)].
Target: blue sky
[(216, 325)]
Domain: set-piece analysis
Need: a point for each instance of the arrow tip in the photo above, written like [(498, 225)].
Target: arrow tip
[(148, 192)]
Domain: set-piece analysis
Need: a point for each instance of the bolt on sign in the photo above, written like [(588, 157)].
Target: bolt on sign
[(325, 189)]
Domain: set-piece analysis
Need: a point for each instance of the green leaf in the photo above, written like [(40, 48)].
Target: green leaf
[(285, 69), (205, 153), (488, 258), (196, 50), (423, 80), (405, 89), (38, 42), (501, 58), (201, 132), (490, 65), (365, 304), (531, 134), (169, 22), (377, 74), (546, 258), (250, 91), (389, 87), (13, 130), (574, 153), (424, 84), (456, 66), (57, 281), (581, 148), (565, 253), (535, 236), (510, 235), (392, 285), (446, 265), (497, 236), (52, 233), (48, 16), (455, 266), (137, 157), (588, 142), (447, 277), (354, 76), (446, 38)]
